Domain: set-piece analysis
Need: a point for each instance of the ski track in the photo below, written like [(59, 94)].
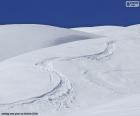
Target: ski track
[(62, 94), (101, 55), (105, 54)]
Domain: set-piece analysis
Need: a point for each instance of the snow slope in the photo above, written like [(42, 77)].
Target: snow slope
[(101, 29), (93, 77), (128, 106), (115, 32), (134, 28), (16, 39)]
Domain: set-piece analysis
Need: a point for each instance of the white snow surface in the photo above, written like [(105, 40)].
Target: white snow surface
[(16, 39), (98, 75)]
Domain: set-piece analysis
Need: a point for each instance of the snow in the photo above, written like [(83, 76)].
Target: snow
[(98, 76), (16, 39), (128, 106), (113, 32)]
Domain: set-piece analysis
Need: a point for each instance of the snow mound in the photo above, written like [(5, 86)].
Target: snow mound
[(16, 39)]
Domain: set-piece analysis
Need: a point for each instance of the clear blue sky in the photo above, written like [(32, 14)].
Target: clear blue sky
[(68, 13)]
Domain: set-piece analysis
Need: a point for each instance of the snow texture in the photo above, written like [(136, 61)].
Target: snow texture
[(92, 71)]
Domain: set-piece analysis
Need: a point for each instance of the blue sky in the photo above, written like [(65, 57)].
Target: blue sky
[(68, 13)]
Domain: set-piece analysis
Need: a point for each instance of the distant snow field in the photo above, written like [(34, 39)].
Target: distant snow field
[(84, 71)]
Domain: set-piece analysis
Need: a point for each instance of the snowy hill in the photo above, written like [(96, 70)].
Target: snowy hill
[(93, 77), (114, 32), (20, 38)]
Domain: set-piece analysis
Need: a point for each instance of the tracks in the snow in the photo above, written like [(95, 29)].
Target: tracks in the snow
[(61, 94), (106, 53)]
